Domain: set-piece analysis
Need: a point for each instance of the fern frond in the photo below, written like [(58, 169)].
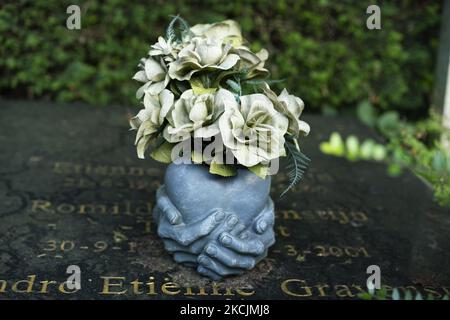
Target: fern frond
[(298, 163), (234, 86), (171, 31)]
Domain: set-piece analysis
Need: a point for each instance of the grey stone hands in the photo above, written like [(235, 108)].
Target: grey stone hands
[(217, 245)]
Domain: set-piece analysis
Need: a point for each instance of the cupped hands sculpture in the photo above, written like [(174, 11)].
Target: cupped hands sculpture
[(203, 86), (220, 226)]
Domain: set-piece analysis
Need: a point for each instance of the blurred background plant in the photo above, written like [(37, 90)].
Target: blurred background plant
[(414, 145), (321, 48)]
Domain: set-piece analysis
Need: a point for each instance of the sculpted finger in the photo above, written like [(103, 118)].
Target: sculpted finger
[(217, 267), (237, 229), (169, 211), (188, 234), (229, 258), (173, 246), (252, 246), (266, 219), (231, 222), (185, 258), (208, 273)]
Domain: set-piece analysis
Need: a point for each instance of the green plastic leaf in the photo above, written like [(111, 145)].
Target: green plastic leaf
[(352, 145), (382, 293), (163, 153), (388, 123), (394, 170), (198, 88), (365, 296), (337, 144), (379, 152), (366, 149), (367, 113), (224, 170), (260, 170)]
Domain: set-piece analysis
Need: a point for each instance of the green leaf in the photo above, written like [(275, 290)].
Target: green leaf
[(260, 170), (365, 296), (337, 144), (334, 147), (379, 152), (352, 145), (163, 152), (298, 163), (234, 86), (388, 123), (366, 150), (382, 293), (367, 113), (198, 88), (224, 170), (394, 170)]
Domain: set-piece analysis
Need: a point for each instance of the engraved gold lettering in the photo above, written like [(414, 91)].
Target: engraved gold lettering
[(166, 288), (110, 282), (343, 291), (41, 205), (136, 287), (44, 285), (242, 291), (296, 288), (28, 283)]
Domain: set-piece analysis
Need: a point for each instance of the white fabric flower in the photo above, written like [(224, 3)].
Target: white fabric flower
[(253, 131), (196, 115), (292, 107), (153, 74), (165, 48), (252, 62), (227, 31), (202, 54), (149, 120)]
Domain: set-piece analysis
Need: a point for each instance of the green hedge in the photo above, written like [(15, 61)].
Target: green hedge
[(322, 48)]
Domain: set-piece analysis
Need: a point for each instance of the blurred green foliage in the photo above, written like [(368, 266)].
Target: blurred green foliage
[(322, 48), (414, 145)]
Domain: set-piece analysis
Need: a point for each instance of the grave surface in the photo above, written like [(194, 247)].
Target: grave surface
[(72, 192)]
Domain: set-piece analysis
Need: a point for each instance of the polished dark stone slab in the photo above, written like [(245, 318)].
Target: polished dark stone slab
[(72, 192)]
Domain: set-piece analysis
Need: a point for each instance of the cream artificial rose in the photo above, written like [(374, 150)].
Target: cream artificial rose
[(149, 120), (252, 62), (292, 107), (153, 74), (227, 31), (165, 48), (253, 131), (196, 115), (202, 54)]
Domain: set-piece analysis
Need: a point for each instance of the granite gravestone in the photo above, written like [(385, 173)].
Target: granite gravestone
[(72, 192)]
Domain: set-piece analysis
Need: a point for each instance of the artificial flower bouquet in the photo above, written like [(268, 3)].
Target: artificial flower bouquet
[(204, 86)]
